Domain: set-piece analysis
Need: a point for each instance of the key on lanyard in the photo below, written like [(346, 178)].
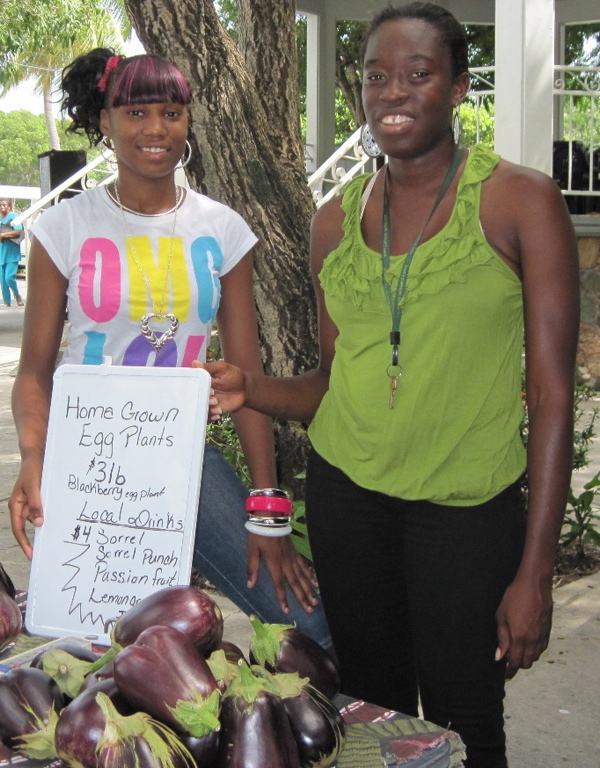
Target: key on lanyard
[(394, 372)]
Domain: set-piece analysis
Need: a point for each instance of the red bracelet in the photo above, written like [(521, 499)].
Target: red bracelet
[(269, 504)]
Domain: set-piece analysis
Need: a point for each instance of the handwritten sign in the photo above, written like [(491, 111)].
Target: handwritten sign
[(120, 490)]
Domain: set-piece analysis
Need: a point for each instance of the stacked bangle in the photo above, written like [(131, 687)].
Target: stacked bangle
[(274, 492), (269, 511)]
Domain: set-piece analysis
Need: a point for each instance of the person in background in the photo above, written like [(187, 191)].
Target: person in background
[(10, 252), (167, 262), (430, 274)]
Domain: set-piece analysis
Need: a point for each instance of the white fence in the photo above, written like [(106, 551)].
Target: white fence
[(577, 128)]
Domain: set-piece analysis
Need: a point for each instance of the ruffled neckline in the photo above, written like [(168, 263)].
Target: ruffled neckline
[(351, 270)]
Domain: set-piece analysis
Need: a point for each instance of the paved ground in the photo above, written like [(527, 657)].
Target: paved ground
[(552, 710)]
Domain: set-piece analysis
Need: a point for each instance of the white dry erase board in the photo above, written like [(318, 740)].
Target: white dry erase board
[(120, 489)]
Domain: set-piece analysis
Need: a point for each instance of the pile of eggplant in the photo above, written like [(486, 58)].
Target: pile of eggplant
[(11, 620), (172, 693)]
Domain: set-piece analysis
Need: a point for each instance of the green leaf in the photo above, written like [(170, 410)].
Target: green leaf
[(121, 733), (284, 684), (223, 670), (302, 546), (68, 671), (199, 717), (247, 686), (40, 745), (265, 642), (594, 482), (594, 536)]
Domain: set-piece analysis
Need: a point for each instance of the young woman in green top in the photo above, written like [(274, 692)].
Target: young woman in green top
[(435, 584)]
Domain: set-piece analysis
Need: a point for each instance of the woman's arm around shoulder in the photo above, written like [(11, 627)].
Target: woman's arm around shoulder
[(541, 241), (238, 334), (42, 332)]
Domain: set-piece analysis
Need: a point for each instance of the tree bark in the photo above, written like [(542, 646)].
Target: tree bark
[(267, 42), (348, 80), (247, 154)]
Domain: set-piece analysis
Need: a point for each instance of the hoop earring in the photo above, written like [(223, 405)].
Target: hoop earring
[(185, 160), (369, 145), (456, 126), (108, 152)]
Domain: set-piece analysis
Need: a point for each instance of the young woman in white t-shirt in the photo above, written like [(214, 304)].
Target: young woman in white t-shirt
[(143, 267)]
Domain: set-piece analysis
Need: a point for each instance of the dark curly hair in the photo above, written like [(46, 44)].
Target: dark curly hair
[(145, 79), (450, 30)]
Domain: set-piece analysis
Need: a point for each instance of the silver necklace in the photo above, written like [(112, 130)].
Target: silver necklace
[(158, 313), (115, 198)]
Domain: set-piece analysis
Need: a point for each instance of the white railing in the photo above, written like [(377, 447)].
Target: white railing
[(481, 97), (78, 182), (577, 123), (347, 161)]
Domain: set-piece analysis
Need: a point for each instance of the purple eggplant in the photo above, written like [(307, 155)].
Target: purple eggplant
[(137, 741), (105, 672), (255, 730), (81, 724), (11, 621), (282, 648), (6, 584), (163, 674), (204, 750), (188, 609), (317, 727), (316, 723), (29, 703), (233, 653)]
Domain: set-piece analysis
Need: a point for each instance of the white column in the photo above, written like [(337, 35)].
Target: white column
[(524, 81), (320, 86), (312, 91)]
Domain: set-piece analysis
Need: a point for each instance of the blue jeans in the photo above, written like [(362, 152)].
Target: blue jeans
[(220, 552), (411, 590)]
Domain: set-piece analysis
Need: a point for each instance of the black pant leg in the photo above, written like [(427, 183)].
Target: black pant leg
[(358, 560)]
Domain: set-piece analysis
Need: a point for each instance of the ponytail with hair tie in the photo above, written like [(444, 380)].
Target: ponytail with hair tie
[(111, 64)]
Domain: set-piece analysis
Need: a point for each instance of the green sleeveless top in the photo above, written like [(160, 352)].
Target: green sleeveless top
[(453, 437)]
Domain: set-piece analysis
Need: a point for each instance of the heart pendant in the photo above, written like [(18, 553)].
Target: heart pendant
[(158, 342)]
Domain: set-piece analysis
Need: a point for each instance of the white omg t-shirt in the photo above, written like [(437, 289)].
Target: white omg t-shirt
[(115, 277)]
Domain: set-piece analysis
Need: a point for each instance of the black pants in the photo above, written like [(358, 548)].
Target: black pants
[(410, 590)]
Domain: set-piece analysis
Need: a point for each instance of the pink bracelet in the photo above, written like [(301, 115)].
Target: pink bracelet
[(269, 504)]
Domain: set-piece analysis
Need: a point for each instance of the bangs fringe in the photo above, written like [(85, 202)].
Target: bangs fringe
[(149, 80)]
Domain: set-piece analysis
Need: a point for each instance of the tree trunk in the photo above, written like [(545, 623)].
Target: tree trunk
[(267, 41), (53, 136), (349, 82), (247, 153)]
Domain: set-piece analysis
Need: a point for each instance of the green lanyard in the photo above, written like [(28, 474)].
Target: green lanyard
[(394, 370)]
